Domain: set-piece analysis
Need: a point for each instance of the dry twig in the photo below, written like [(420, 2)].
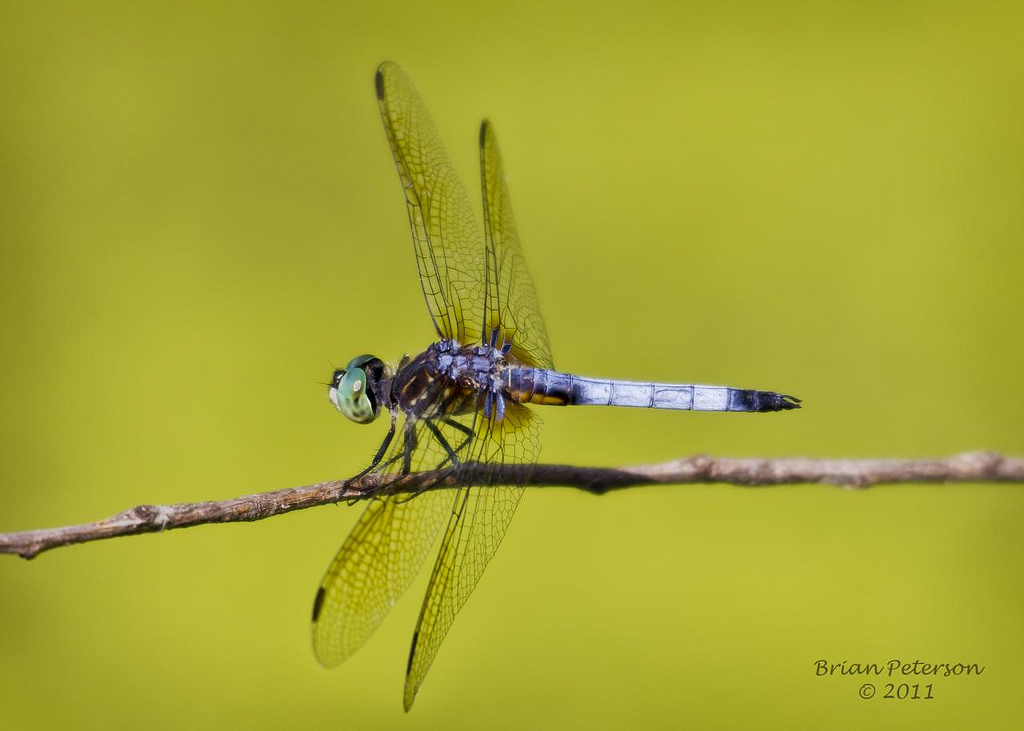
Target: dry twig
[(849, 473)]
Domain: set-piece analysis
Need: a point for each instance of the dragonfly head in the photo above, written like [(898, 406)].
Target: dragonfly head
[(355, 389)]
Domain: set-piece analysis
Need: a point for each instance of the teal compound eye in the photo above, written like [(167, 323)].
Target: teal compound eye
[(351, 394), (354, 401)]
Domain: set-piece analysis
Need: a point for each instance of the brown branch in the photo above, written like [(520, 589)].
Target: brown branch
[(849, 473)]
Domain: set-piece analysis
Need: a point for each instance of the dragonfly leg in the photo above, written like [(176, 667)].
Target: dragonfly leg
[(382, 450), (462, 428), (452, 457), (409, 447)]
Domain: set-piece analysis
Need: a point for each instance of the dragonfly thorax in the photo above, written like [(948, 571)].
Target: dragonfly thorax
[(451, 378)]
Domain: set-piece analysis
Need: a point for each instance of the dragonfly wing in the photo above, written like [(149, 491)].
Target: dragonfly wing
[(512, 306), (469, 297), (372, 570), (478, 521), (444, 230), (384, 552)]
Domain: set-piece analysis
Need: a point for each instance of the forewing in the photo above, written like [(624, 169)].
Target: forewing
[(444, 231), (512, 305), (506, 451), (382, 554)]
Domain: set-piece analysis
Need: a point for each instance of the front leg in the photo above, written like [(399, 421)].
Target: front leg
[(409, 442), (383, 449)]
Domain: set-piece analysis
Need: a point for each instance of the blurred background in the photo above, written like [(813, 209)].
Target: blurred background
[(200, 216)]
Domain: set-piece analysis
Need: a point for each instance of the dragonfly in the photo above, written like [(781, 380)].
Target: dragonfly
[(462, 408)]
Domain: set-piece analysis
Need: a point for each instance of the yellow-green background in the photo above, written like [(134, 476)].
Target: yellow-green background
[(198, 215)]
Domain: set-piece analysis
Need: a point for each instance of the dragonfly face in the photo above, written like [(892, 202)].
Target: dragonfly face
[(355, 389), (460, 410)]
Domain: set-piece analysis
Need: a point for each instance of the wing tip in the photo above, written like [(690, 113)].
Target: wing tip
[(318, 603), (378, 80), (485, 126), (411, 688)]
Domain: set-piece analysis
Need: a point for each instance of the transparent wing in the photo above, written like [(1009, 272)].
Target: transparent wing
[(385, 550), (512, 306), (470, 291), (475, 529), (444, 231)]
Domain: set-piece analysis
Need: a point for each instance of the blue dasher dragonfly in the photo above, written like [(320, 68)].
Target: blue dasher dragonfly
[(459, 408)]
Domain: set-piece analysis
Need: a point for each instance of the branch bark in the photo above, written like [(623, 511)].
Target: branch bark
[(847, 473)]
